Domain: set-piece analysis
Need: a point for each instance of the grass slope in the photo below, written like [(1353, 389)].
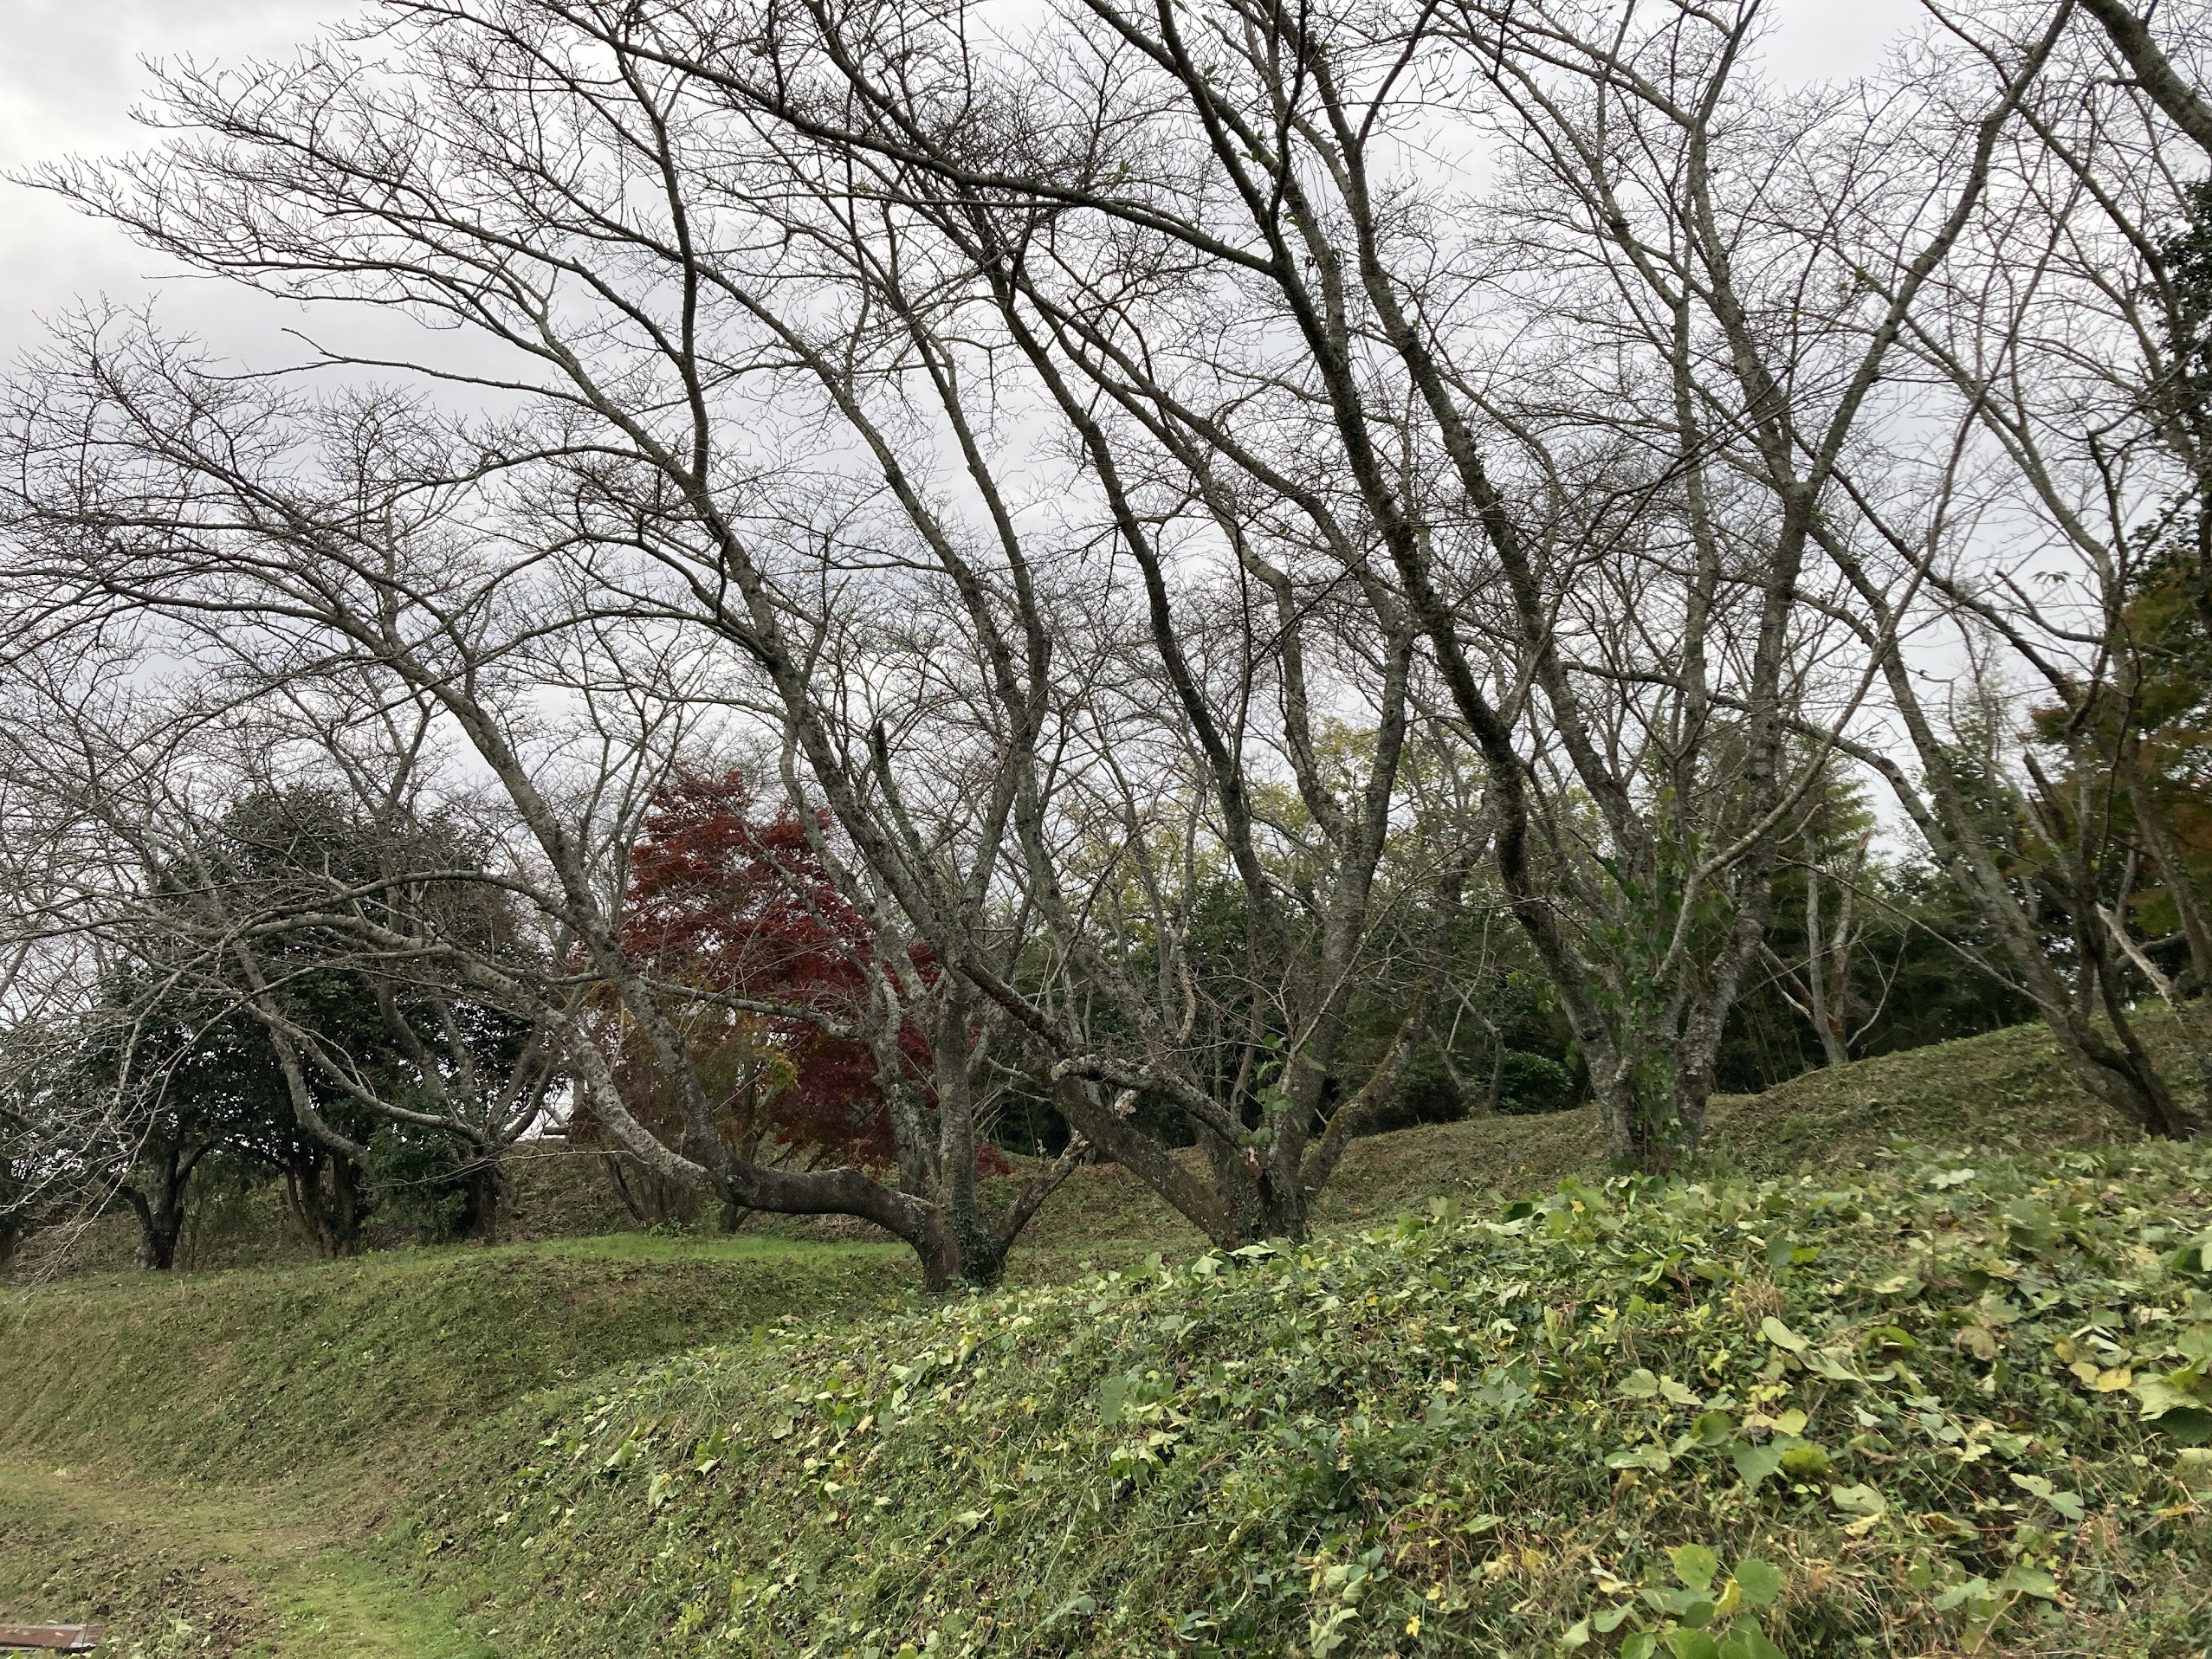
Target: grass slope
[(2003, 1085), (1893, 1413), (252, 1374), (200, 1460), (1077, 1467)]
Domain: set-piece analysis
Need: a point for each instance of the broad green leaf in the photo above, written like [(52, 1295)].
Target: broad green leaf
[(1638, 1385), (1834, 1364), (1325, 1636), (2029, 1581), (1760, 1580), (1973, 1590), (1694, 1564), (2068, 1504), (1857, 1499), (1712, 1429), (2182, 1416), (2159, 1397), (1747, 1640), (1756, 1463), (1780, 1335), (2190, 1425)]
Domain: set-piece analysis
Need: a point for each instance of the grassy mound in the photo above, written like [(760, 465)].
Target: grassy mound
[(272, 1373), (1901, 1413), (1571, 1422), (201, 1461)]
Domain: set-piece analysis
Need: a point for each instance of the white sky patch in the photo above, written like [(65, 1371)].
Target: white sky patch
[(72, 69)]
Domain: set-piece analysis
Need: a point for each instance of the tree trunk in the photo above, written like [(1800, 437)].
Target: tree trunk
[(484, 1196), (2173, 871), (158, 1200), (329, 1213)]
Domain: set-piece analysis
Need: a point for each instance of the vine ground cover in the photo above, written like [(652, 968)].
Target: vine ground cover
[(1959, 1403)]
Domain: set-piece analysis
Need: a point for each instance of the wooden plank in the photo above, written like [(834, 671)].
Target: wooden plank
[(53, 1638)]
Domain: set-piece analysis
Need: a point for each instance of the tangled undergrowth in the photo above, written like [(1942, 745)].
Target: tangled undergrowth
[(1954, 1403)]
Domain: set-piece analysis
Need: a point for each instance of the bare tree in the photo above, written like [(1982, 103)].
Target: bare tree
[(961, 709), (2013, 543), (1134, 181)]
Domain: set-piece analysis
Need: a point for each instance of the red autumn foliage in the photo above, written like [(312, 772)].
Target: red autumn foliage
[(725, 899)]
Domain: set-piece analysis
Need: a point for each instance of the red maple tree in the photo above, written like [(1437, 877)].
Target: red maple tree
[(727, 901)]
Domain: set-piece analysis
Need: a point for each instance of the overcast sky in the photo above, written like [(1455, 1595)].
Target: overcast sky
[(71, 69)]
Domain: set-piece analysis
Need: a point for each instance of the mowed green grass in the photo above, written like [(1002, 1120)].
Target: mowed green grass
[(255, 1374), (258, 1571)]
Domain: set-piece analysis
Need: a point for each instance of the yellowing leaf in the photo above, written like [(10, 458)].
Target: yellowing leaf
[(1857, 1500), (1694, 1564)]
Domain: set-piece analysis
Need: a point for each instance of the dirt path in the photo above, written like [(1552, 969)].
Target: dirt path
[(176, 1572)]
